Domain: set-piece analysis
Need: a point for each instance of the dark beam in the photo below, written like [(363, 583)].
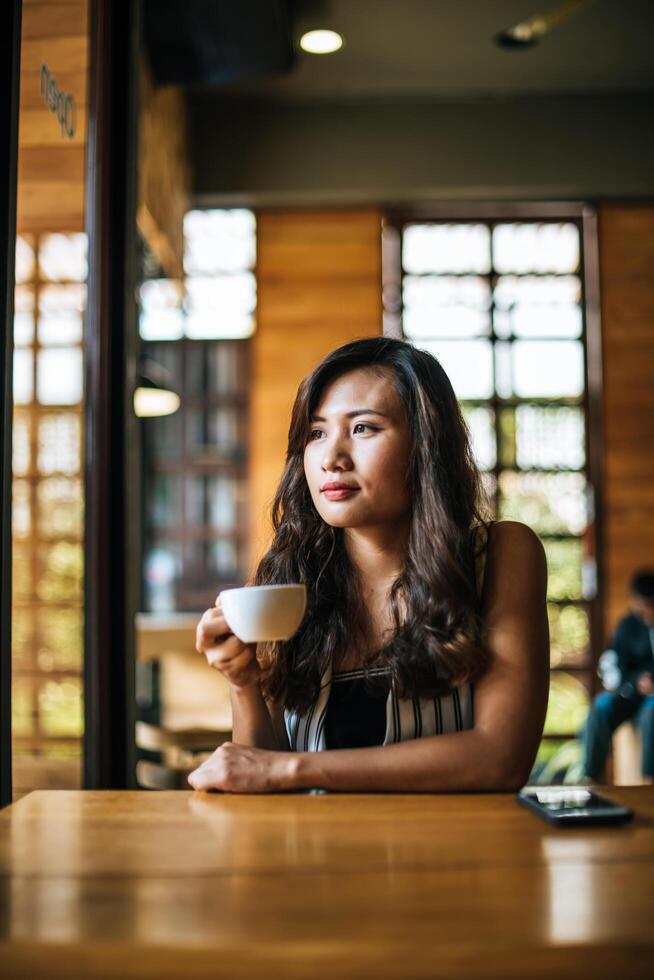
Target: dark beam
[(111, 564), (10, 18)]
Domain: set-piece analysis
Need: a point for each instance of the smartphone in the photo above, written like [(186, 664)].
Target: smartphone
[(572, 805)]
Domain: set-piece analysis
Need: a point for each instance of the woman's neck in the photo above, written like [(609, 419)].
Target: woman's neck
[(377, 553)]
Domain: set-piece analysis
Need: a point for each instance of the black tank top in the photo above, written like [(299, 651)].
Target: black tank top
[(356, 711)]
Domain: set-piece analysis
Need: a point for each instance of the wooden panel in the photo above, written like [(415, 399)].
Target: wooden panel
[(164, 172), (51, 206), (67, 53), (50, 165), (319, 282), (64, 163), (69, 81), (54, 19), (626, 262), (40, 127)]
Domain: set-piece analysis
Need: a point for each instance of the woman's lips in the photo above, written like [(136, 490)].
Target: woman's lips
[(341, 494)]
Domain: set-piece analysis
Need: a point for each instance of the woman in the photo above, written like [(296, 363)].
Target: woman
[(422, 662)]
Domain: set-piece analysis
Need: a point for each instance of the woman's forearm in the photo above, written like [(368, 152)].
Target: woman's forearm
[(251, 722), (460, 762)]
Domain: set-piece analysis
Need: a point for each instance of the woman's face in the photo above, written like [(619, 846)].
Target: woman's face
[(360, 439)]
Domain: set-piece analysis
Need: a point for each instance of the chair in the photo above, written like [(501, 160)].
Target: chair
[(194, 709), (181, 752)]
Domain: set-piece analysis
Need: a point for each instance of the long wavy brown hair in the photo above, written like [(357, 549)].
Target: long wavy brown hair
[(437, 641)]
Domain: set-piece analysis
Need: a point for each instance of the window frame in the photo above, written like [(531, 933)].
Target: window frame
[(584, 217)]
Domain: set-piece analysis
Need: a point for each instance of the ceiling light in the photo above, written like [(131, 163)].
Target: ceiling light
[(154, 402), (153, 396), (529, 32), (321, 42)]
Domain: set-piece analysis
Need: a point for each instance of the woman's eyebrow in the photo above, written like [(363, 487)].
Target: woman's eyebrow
[(351, 415)]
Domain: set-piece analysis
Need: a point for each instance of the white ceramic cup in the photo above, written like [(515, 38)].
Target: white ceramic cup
[(261, 613)]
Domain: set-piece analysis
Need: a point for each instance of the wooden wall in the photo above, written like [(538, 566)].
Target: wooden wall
[(319, 286), (51, 166), (626, 240), (164, 172)]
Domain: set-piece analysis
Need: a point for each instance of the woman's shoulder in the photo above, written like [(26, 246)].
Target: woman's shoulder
[(515, 553), (512, 537)]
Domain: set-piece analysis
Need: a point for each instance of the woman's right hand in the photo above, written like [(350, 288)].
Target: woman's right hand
[(224, 651)]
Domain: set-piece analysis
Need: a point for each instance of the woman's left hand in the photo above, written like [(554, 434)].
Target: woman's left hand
[(236, 768)]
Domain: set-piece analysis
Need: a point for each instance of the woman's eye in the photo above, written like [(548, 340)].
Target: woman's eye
[(364, 425), (314, 433)]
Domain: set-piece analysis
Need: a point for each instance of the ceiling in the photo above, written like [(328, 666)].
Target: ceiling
[(431, 49)]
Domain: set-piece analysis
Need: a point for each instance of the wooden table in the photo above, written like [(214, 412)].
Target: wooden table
[(163, 885)]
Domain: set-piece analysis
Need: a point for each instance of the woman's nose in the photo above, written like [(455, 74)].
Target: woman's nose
[(336, 456)]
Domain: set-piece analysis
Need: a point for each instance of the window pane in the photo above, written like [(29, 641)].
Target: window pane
[(60, 571), (166, 435), (212, 500), (165, 502), (22, 713), (446, 306), (161, 316), (59, 443), (538, 306), (60, 507), (25, 260), (569, 635), (568, 705), (219, 241), (223, 435), (60, 638), (60, 707), (503, 369), (62, 258), (59, 376), (21, 509), (207, 326), (550, 437), (221, 306), (223, 559), (21, 444), (550, 503), (226, 368), (536, 247), (23, 316), (214, 433), (446, 248), (162, 567), (548, 369), (564, 561), (211, 561), (22, 638), (222, 498), (23, 376), (468, 364), (21, 570), (482, 432), (60, 314)]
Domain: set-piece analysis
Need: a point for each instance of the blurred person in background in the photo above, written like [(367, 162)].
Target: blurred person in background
[(627, 673)]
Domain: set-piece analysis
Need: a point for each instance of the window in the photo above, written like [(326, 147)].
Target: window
[(194, 517), (48, 506), (501, 304)]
